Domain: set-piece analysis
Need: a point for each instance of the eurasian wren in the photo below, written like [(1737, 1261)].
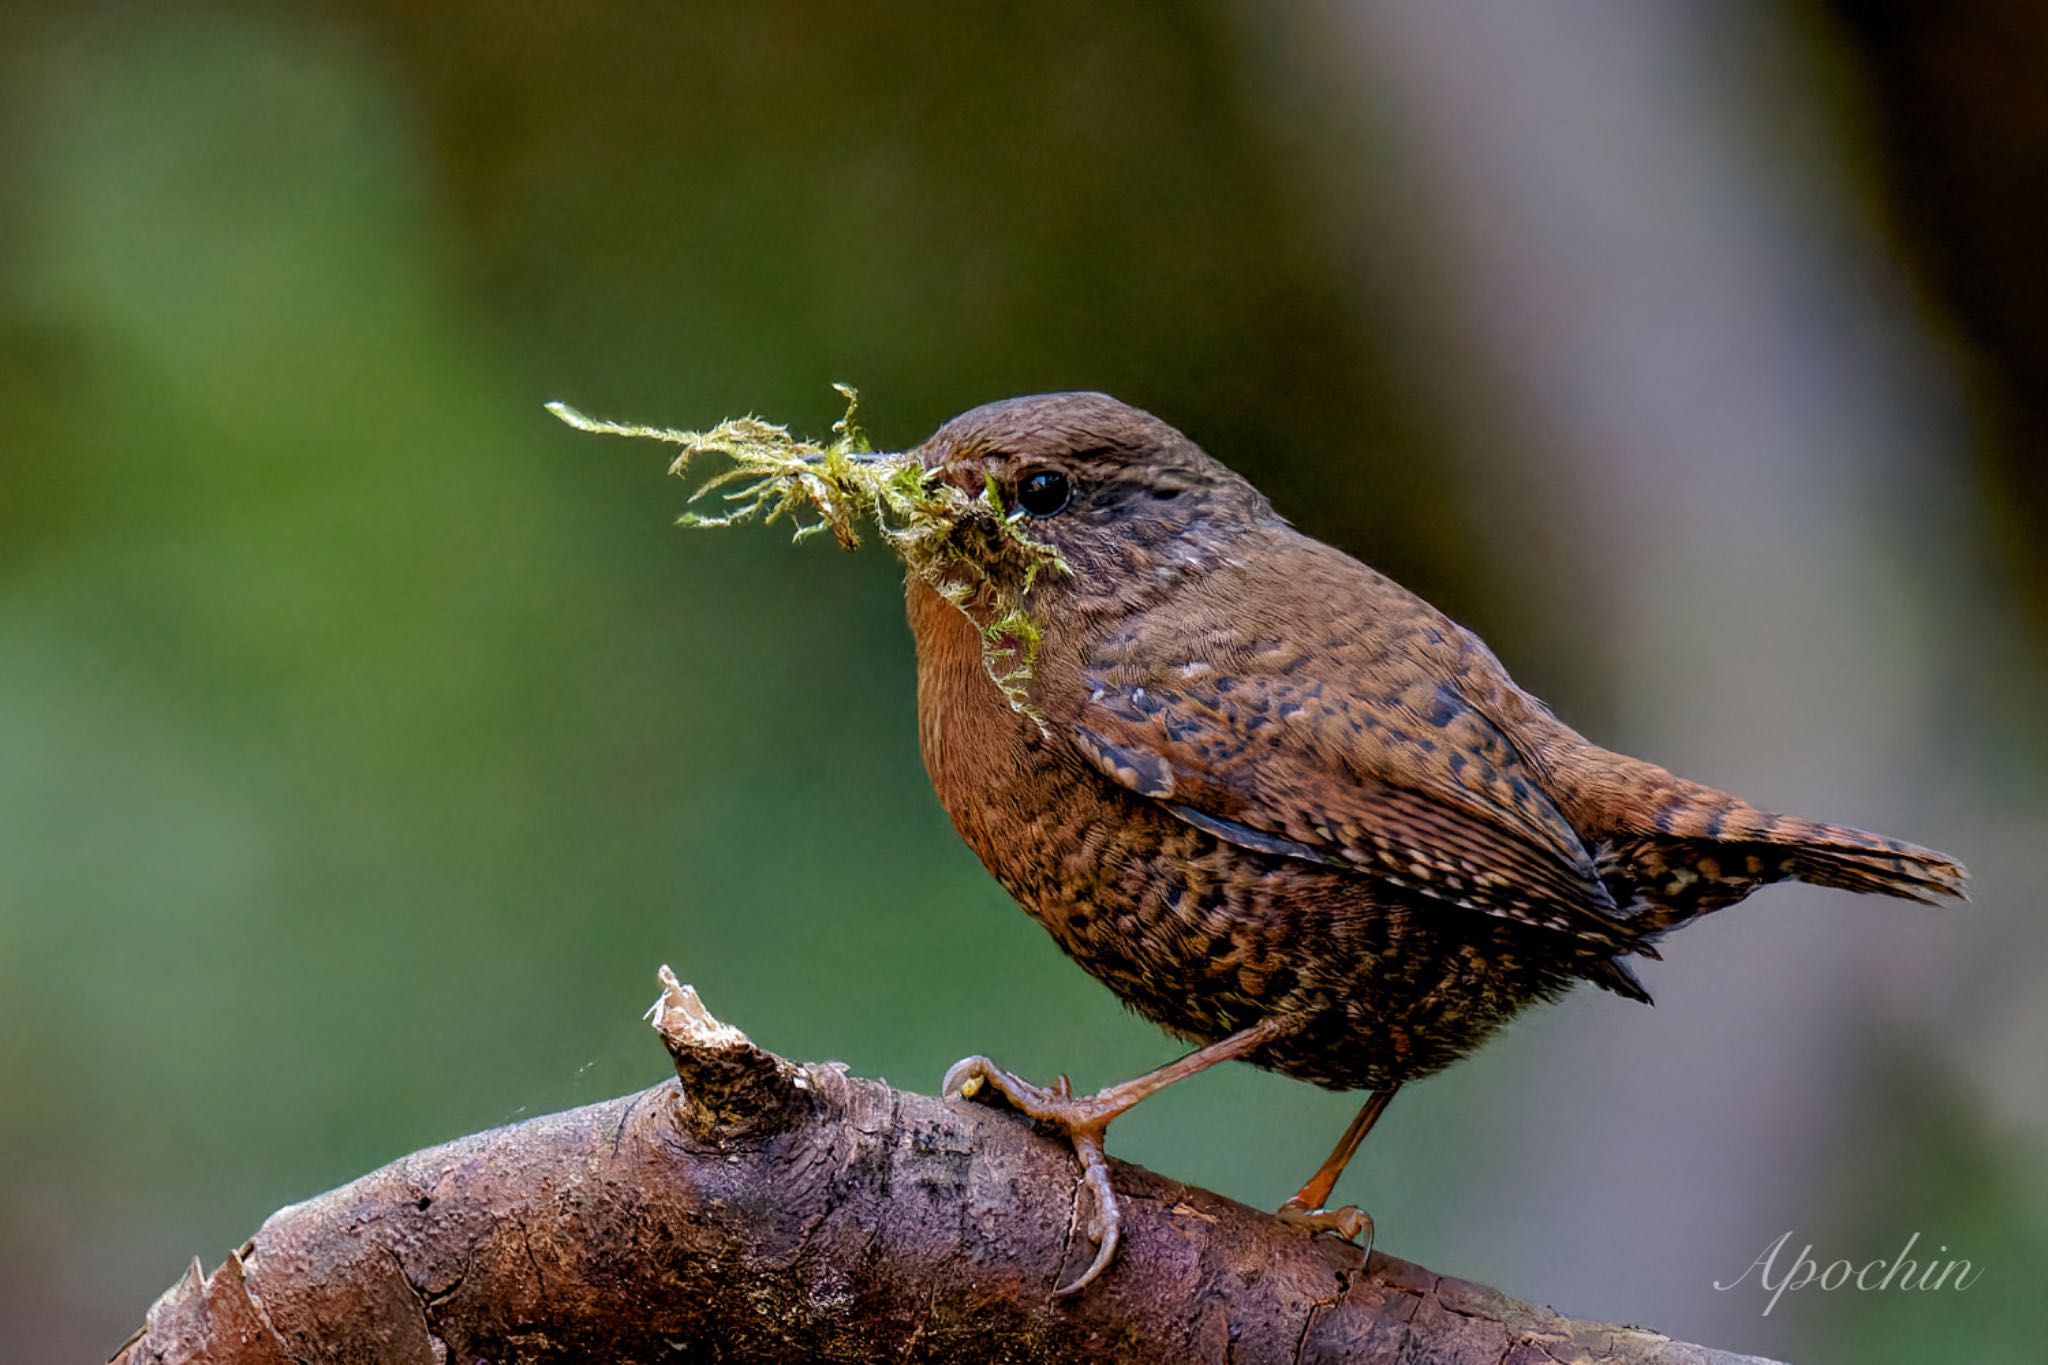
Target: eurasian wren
[(1284, 807)]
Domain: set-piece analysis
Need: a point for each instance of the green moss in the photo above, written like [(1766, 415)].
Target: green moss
[(967, 548)]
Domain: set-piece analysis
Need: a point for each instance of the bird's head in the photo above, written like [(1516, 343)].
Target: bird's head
[(1126, 500)]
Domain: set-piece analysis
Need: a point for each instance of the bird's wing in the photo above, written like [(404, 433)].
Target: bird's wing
[(1355, 747)]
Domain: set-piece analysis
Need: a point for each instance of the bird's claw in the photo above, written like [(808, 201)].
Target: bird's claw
[(1350, 1222), (965, 1078), (978, 1076), (1081, 1120), (1105, 1224), (973, 1076)]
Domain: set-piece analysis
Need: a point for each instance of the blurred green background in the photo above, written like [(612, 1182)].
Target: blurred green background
[(367, 739)]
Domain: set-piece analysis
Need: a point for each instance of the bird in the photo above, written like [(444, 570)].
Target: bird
[(1283, 807)]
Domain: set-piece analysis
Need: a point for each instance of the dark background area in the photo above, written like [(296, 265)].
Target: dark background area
[(367, 739)]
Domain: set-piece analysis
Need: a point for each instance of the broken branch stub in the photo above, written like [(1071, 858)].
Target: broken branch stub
[(731, 1090)]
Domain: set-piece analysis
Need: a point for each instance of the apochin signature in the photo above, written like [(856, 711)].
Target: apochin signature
[(1871, 1277)]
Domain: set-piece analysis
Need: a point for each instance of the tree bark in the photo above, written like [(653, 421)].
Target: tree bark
[(758, 1210)]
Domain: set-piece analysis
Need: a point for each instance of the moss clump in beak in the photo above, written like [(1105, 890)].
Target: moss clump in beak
[(967, 547)]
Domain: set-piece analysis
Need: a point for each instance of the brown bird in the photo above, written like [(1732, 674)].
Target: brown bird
[(1285, 808)]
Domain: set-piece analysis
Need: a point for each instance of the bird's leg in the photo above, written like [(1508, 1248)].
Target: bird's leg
[(1085, 1119), (1307, 1209)]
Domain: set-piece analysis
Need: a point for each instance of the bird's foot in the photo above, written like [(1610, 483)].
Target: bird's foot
[(1083, 1120), (1351, 1223)]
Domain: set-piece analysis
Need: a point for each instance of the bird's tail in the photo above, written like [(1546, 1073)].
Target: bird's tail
[(1672, 850), (1855, 860)]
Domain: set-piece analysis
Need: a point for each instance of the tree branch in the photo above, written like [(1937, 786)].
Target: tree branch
[(758, 1210)]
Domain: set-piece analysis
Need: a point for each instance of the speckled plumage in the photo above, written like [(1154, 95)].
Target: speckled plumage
[(1272, 783)]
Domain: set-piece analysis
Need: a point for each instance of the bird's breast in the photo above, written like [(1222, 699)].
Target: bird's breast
[(1152, 906), (984, 758), (1055, 833)]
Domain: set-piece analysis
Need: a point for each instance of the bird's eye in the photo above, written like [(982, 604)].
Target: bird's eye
[(1043, 493)]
